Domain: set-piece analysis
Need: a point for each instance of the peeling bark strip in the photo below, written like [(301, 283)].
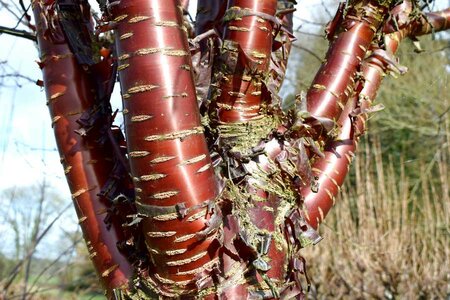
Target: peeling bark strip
[(282, 44), (68, 89), (334, 82), (241, 115), (169, 148), (333, 167)]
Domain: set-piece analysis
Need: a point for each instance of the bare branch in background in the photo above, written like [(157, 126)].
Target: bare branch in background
[(308, 33), (18, 12), (15, 271), (69, 249), (325, 7), (19, 33), (36, 227), (18, 76), (11, 10), (312, 53), (8, 73)]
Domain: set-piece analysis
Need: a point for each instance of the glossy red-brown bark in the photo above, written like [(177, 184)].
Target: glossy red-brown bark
[(168, 155), (333, 168), (241, 94), (87, 164), (246, 244), (434, 22), (334, 82)]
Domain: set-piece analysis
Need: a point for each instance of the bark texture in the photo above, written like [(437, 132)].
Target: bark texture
[(351, 32), (225, 188), (332, 169), (174, 180), (88, 160)]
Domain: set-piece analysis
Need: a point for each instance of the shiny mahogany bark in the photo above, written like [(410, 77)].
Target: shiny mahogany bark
[(87, 164), (351, 35), (249, 30), (332, 169), (210, 16), (170, 163)]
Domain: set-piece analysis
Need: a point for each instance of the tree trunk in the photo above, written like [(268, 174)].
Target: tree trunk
[(174, 180), (87, 163), (221, 199)]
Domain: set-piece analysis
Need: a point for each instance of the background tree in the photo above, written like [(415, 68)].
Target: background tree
[(29, 215)]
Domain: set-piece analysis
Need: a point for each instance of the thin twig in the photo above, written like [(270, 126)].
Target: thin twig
[(326, 9), (19, 33), (17, 75), (308, 33), (308, 51), (67, 250), (309, 21)]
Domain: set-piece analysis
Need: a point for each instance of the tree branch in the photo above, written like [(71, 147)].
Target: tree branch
[(334, 165), (15, 271), (310, 22), (19, 33)]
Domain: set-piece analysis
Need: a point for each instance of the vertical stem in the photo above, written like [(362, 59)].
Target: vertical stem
[(34, 235), (169, 158), (240, 113), (249, 32), (86, 163)]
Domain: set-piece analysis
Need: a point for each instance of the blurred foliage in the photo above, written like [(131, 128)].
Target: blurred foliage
[(417, 104)]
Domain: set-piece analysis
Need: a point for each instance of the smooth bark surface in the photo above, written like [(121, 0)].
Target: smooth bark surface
[(352, 31), (170, 162), (87, 163)]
